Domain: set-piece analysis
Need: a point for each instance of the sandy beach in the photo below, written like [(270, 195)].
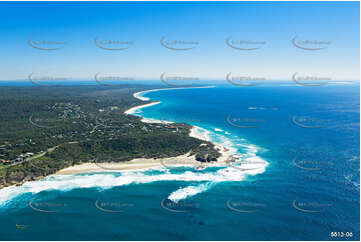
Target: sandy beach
[(134, 109), (142, 163), (102, 167), (139, 96)]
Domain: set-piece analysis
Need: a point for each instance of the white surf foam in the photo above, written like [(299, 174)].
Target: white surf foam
[(155, 121), (189, 191), (248, 163), (108, 180), (138, 109), (200, 133), (140, 96)]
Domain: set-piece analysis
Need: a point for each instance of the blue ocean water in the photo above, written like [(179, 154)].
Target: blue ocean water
[(302, 144)]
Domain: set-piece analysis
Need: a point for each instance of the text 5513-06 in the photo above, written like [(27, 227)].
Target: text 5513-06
[(341, 234)]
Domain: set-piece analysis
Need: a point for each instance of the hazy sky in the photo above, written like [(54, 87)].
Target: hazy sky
[(207, 25)]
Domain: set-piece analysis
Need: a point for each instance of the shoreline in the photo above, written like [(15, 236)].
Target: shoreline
[(138, 95), (136, 108), (144, 163)]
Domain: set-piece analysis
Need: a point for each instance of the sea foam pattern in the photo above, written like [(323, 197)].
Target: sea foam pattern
[(107, 180)]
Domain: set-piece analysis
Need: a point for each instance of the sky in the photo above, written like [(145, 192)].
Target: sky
[(205, 26)]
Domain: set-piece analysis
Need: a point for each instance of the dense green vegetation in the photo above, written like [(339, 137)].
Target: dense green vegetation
[(45, 129)]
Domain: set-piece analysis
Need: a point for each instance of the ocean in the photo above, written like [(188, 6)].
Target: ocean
[(296, 178)]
